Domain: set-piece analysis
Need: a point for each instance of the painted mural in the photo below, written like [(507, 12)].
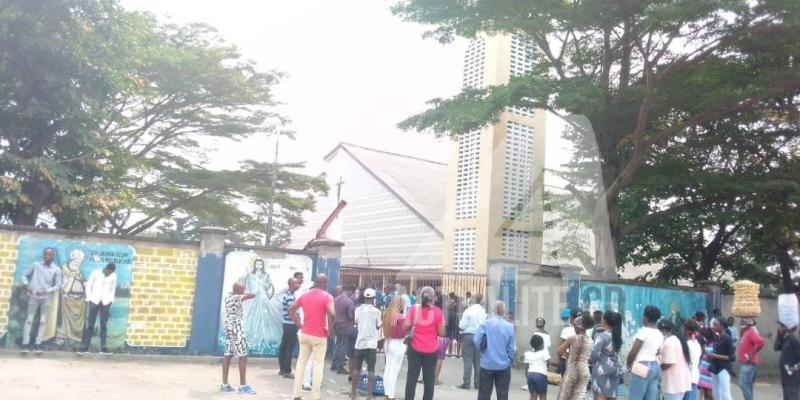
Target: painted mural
[(266, 278), (630, 301), (68, 311)]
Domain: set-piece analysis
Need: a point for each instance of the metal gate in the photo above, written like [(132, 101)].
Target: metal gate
[(445, 282)]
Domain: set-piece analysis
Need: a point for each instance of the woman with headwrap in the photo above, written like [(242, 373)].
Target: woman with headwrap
[(577, 375)]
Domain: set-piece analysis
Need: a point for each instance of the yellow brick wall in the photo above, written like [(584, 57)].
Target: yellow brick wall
[(8, 262), (162, 293)]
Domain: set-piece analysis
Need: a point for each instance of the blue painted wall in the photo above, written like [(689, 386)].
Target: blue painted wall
[(207, 297), (508, 288), (630, 301), (329, 267)]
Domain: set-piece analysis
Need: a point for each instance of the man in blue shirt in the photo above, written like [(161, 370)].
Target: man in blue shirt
[(497, 341)]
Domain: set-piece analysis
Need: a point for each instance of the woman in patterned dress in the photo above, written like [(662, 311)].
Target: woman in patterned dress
[(607, 367), (576, 377), (707, 339)]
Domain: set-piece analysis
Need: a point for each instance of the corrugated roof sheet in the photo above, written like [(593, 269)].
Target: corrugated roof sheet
[(422, 184)]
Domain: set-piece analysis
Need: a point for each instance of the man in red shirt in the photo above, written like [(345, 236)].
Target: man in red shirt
[(318, 312), (749, 346)]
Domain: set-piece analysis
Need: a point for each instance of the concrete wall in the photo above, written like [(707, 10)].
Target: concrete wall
[(539, 293), (168, 293), (162, 294), (543, 291), (8, 257), (160, 286)]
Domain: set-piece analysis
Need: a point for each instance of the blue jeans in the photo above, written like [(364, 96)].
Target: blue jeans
[(692, 394), (645, 388), (747, 375)]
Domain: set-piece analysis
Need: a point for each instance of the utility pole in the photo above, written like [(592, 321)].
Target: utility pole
[(270, 211)]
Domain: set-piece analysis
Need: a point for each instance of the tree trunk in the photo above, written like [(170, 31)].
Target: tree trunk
[(38, 194), (606, 242), (787, 266)]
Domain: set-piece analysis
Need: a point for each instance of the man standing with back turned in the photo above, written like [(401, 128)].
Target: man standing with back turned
[(500, 345), (40, 281), (317, 306), (472, 318), (368, 320), (343, 327)]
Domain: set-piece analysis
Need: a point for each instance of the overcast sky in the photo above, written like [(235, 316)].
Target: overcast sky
[(354, 71)]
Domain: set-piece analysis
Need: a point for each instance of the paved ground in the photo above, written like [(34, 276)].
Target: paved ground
[(63, 376)]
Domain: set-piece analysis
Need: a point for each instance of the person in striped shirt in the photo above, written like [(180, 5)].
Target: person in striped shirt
[(289, 339)]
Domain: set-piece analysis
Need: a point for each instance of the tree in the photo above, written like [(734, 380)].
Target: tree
[(108, 117), (723, 167), (642, 72)]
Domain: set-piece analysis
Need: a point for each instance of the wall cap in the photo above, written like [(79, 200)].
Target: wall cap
[(214, 229), (325, 242), (234, 247), (67, 232)]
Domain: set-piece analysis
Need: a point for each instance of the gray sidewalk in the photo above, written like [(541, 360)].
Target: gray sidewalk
[(65, 376)]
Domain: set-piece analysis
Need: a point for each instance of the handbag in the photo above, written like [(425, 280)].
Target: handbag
[(377, 384), (410, 335), (640, 370)]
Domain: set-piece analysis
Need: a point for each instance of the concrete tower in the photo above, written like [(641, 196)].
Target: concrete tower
[(495, 180)]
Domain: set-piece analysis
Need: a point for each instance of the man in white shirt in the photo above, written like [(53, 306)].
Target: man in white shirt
[(100, 290), (368, 324), (471, 320)]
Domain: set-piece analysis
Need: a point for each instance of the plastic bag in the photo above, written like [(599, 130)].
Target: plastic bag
[(788, 310), (377, 385)]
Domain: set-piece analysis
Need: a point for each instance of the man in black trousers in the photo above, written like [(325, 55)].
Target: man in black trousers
[(289, 339)]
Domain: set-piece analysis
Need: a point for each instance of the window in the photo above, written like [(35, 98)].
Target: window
[(473, 64), (515, 244), (464, 250), (518, 179), (467, 181)]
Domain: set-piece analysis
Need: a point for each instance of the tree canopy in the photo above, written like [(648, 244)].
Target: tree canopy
[(108, 117), (668, 88)]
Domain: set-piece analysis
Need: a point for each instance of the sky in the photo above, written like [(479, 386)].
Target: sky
[(354, 71)]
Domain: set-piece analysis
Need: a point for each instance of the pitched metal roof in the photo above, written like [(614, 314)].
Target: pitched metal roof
[(420, 184)]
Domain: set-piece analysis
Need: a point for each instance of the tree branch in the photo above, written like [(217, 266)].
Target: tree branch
[(148, 222), (653, 217)]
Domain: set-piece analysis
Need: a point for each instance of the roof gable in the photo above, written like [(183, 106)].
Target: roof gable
[(420, 184)]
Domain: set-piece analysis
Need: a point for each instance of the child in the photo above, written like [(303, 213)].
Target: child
[(536, 365), (235, 343), (368, 323)]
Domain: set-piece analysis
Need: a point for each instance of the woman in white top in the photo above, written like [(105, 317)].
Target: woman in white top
[(692, 329), (676, 375), (536, 365), (645, 371)]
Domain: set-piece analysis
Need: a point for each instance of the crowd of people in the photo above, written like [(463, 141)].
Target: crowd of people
[(671, 358), (675, 360), (687, 361), (421, 329)]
